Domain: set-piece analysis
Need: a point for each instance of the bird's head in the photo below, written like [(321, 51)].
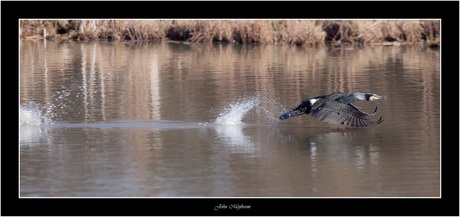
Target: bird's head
[(367, 96)]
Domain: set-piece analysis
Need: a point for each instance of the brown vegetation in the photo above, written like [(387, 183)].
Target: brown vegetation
[(292, 32)]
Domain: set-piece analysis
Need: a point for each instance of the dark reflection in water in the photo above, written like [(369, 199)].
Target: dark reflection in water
[(139, 120)]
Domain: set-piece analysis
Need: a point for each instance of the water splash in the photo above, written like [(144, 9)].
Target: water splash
[(268, 109), (237, 110), (34, 115), (33, 121)]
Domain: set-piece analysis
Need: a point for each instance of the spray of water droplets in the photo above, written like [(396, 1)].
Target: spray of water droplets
[(269, 108), (34, 115), (236, 111), (265, 106)]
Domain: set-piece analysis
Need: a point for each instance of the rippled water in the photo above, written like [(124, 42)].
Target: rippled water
[(191, 120)]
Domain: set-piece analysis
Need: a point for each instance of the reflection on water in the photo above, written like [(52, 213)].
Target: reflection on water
[(180, 120), (235, 139)]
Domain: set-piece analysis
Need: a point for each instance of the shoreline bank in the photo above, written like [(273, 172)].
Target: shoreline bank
[(308, 33)]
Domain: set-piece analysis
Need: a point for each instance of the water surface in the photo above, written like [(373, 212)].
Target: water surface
[(114, 119)]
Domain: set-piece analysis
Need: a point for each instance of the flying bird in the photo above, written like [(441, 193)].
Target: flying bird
[(336, 108)]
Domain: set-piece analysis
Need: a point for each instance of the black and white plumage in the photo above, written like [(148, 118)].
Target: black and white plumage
[(336, 108)]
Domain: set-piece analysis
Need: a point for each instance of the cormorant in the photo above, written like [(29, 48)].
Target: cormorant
[(336, 108)]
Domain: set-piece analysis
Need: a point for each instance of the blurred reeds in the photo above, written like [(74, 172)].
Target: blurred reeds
[(308, 33)]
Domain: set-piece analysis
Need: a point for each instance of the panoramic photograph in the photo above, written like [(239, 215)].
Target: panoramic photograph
[(237, 108)]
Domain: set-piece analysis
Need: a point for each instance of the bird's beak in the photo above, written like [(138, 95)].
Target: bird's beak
[(376, 97)]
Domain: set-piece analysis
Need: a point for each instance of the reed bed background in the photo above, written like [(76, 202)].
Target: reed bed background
[(308, 33)]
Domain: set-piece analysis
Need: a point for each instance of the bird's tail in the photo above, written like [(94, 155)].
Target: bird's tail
[(303, 108), (290, 113)]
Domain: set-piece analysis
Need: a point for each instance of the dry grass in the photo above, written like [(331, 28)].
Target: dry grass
[(308, 33)]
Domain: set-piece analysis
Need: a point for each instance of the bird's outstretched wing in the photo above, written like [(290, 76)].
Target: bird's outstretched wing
[(335, 112)]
